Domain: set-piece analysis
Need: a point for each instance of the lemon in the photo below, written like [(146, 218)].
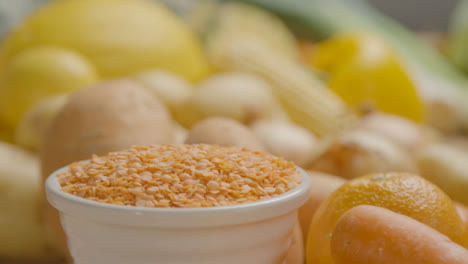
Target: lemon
[(119, 37), (37, 73), (366, 72)]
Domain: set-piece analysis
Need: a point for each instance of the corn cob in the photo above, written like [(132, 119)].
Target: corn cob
[(306, 99), (440, 84), (447, 167)]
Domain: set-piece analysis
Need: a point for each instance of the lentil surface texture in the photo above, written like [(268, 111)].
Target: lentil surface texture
[(196, 175)]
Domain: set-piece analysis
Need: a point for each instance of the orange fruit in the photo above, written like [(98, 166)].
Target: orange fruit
[(402, 193)]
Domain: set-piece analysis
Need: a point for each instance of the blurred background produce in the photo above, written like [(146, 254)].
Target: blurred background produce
[(342, 88)]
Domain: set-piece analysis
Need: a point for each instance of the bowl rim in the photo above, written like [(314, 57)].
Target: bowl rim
[(70, 204)]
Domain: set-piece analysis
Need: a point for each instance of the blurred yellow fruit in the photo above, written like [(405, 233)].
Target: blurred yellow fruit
[(366, 73), (248, 21), (32, 127), (119, 37), (39, 72)]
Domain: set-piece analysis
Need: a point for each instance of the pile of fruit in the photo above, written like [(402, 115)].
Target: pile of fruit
[(349, 95)]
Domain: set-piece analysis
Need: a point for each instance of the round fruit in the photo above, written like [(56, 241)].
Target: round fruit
[(37, 73), (119, 37), (402, 193), (248, 21)]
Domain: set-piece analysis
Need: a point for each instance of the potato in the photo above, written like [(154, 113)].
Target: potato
[(322, 186), (223, 131), (22, 233), (31, 129), (180, 134), (171, 89), (446, 166), (240, 96), (459, 142), (402, 131), (358, 152), (106, 117), (286, 140)]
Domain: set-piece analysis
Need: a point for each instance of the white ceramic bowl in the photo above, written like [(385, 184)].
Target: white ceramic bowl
[(257, 233)]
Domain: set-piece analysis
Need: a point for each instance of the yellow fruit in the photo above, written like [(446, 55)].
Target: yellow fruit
[(402, 193), (248, 21), (366, 73), (37, 73), (119, 37)]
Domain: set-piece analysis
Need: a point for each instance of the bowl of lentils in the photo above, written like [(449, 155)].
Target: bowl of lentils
[(179, 204)]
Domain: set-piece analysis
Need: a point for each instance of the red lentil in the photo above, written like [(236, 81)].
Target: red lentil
[(196, 175)]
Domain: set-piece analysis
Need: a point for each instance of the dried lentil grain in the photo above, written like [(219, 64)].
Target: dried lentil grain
[(197, 175)]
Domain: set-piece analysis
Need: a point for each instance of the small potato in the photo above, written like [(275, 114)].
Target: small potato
[(241, 96), (168, 87), (446, 166), (404, 132), (223, 131), (359, 152), (22, 233), (285, 139), (459, 142), (180, 133), (31, 129)]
